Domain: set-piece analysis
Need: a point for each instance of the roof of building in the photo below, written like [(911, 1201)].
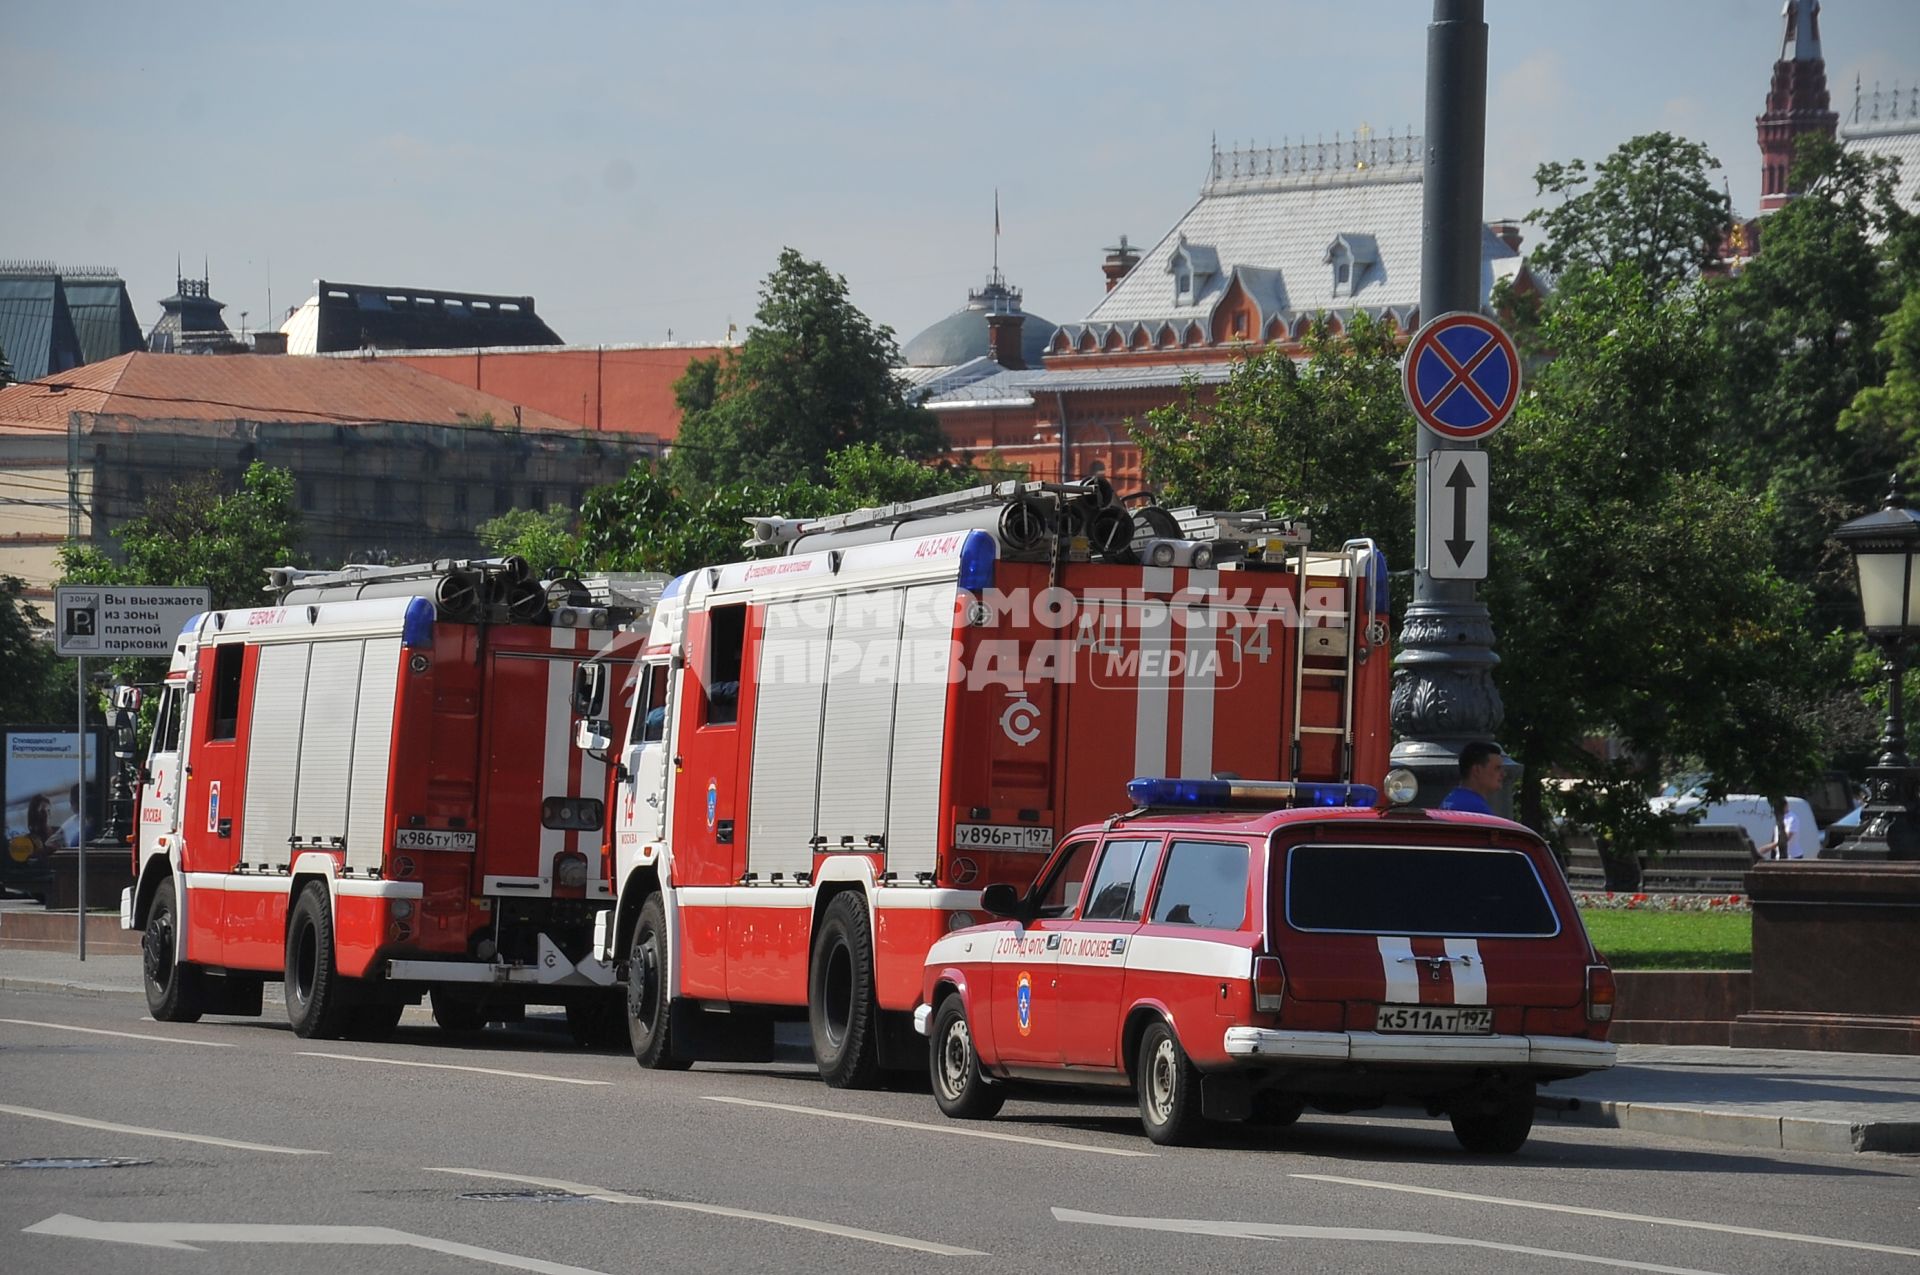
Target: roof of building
[(360, 316), (1888, 124), (962, 335), (1300, 230), (1019, 389), (53, 318), (258, 387)]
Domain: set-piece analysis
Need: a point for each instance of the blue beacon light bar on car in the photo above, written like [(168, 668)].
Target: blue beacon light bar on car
[(1222, 794)]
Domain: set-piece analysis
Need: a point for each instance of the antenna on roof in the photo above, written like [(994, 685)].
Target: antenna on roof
[(996, 231)]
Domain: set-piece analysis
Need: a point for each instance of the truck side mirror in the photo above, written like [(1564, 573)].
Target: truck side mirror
[(1001, 899), (589, 690), (592, 736)]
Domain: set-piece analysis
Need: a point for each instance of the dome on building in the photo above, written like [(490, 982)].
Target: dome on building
[(962, 335)]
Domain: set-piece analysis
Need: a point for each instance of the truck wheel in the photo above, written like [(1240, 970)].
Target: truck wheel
[(176, 991), (647, 984), (840, 998), (1169, 1088), (375, 1020), (958, 1087), (599, 1022), (457, 1014), (319, 1000), (1498, 1128)]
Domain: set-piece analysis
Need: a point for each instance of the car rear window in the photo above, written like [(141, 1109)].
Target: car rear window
[(1417, 890)]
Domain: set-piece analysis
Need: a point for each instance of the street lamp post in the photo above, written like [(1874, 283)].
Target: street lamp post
[(1885, 546)]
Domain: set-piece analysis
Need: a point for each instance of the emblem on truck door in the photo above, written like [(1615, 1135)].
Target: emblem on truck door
[(1021, 720)]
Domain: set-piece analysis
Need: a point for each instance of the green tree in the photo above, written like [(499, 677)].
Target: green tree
[(1329, 442), (196, 533), (814, 375), (1651, 205), (546, 540), (38, 686), (1888, 415)]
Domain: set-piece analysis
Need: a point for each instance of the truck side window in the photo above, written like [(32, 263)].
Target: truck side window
[(726, 641), (1061, 890), (166, 724), (653, 704), (223, 719), (1119, 888), (1205, 884)]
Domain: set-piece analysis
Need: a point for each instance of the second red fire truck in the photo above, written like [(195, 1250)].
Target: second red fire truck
[(830, 752)]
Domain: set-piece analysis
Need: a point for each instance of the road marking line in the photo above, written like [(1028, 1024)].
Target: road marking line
[(1366, 1235), (190, 1235), (485, 1071), (719, 1210), (101, 1031), (1583, 1211), (955, 1130), (136, 1130)]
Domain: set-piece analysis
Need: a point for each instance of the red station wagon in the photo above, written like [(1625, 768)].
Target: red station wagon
[(1235, 950)]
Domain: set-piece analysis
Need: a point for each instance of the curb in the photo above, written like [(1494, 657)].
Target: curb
[(1746, 1128), (12, 983)]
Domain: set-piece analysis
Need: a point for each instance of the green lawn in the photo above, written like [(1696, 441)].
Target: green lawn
[(1672, 940)]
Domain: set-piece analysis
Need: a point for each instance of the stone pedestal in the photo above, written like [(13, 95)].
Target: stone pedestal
[(109, 871), (1836, 958)]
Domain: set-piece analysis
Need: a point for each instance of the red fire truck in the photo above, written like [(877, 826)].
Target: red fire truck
[(368, 789), (831, 751)]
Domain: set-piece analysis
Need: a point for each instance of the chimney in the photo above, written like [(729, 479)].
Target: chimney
[(1121, 259), (1003, 339), (269, 343), (1508, 233)]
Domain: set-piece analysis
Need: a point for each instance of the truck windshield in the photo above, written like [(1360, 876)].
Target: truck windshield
[(1416, 890)]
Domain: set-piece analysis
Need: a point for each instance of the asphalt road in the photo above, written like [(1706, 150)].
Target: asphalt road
[(256, 1150)]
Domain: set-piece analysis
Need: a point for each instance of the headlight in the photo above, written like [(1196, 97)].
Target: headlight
[(959, 920), (1401, 786), (570, 871)]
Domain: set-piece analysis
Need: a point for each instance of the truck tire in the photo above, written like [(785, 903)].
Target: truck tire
[(958, 1087), (1498, 1128), (374, 1020), (840, 997), (457, 1014), (319, 998), (176, 991), (648, 981), (1169, 1088)]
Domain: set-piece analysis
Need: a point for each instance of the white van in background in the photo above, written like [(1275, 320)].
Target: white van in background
[(1754, 814)]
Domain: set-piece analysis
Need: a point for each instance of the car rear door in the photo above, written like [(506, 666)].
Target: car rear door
[(1390, 926)]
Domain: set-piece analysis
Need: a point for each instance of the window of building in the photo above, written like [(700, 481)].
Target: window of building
[(223, 715), (726, 643), (460, 498), (502, 499), (306, 495), (1205, 884), (536, 499)]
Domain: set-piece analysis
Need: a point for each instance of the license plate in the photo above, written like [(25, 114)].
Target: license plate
[(1433, 1018), (1002, 836), (434, 839)]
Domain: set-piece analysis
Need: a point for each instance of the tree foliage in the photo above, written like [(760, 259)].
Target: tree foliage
[(544, 538), (1329, 442), (1651, 205), (813, 376), (38, 685)]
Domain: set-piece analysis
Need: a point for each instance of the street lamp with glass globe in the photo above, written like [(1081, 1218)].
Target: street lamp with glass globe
[(1885, 546)]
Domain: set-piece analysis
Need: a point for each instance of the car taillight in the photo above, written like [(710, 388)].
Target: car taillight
[(1269, 984), (570, 872), (1599, 994)]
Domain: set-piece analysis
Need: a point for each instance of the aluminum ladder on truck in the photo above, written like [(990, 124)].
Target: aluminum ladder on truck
[(1321, 655)]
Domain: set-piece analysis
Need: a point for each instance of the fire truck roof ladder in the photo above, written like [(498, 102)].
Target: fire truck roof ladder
[(1355, 563)]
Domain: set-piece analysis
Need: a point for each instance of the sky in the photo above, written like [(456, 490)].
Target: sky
[(637, 167)]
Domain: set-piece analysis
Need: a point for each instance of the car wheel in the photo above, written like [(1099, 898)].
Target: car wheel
[(1498, 1127), (176, 991), (840, 1006), (958, 1087), (319, 999), (647, 984), (1169, 1088)]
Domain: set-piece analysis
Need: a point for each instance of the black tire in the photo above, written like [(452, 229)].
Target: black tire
[(176, 991), (649, 1026), (599, 1022), (1498, 1127), (840, 999), (319, 998), (1169, 1088), (374, 1020), (1276, 1109), (958, 1087), (457, 1014)]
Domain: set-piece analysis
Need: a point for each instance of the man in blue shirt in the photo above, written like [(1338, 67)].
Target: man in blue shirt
[(1481, 767)]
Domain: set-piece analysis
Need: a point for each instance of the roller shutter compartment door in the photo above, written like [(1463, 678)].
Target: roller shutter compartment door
[(273, 753), (326, 744), (789, 692), (857, 744), (368, 818), (920, 730)]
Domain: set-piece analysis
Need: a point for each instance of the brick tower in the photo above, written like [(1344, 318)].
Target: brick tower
[(1796, 103)]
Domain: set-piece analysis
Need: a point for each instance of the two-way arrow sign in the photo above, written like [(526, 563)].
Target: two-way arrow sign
[(1456, 539)]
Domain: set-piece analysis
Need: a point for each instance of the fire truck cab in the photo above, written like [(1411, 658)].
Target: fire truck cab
[(368, 789), (831, 751)]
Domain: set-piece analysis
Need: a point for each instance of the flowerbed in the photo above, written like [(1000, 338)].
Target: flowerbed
[(1621, 901)]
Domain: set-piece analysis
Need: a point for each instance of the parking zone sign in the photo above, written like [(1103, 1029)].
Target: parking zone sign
[(114, 620)]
